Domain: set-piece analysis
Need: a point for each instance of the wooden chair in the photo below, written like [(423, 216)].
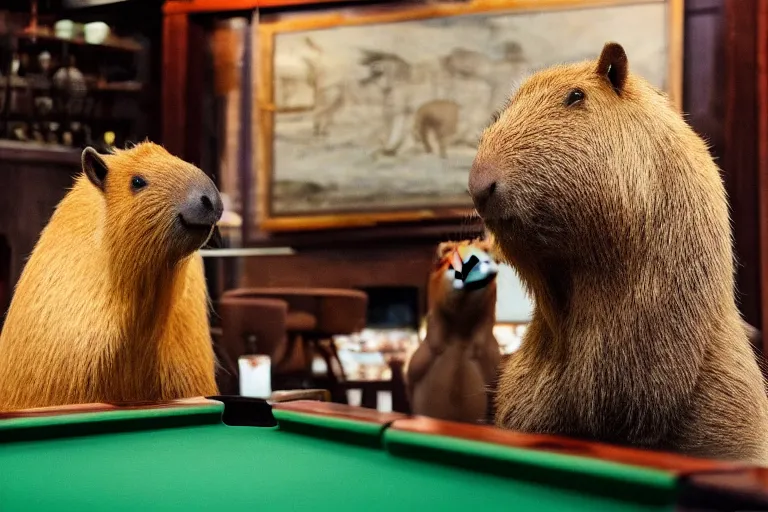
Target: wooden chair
[(313, 317), (248, 326)]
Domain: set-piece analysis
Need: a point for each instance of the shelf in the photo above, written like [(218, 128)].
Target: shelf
[(112, 43), (63, 117), (119, 87), (18, 82), (17, 151)]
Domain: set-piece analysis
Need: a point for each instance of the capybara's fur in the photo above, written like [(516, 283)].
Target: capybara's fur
[(112, 305), (614, 214), (451, 374), (437, 117)]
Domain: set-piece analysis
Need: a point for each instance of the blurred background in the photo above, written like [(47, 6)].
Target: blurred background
[(340, 135)]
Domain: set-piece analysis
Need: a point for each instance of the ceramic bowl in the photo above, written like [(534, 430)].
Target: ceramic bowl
[(96, 32)]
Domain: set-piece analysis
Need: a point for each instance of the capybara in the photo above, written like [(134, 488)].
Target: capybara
[(112, 305), (451, 374), (614, 214)]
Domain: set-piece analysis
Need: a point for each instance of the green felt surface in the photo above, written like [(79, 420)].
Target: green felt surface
[(217, 467)]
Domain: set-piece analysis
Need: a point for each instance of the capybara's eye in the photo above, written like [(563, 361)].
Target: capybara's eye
[(138, 183), (574, 96)]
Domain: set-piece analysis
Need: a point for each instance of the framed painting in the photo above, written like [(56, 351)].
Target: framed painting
[(371, 115)]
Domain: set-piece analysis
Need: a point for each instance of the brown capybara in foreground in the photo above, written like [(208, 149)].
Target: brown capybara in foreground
[(613, 212), (451, 373), (112, 305)]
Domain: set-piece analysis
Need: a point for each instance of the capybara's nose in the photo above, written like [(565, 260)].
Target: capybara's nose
[(202, 207), (483, 179)]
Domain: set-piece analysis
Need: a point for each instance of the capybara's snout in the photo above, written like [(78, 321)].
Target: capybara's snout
[(483, 186), (202, 207)]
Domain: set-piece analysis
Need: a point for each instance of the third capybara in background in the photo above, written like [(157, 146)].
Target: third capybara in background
[(452, 373)]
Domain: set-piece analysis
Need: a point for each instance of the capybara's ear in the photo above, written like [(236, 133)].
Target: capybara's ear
[(94, 167), (613, 65)]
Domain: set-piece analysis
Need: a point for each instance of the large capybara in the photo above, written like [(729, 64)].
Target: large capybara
[(614, 214), (452, 373), (112, 305)]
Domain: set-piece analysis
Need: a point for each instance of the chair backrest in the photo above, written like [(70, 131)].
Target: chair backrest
[(337, 311), (259, 319)]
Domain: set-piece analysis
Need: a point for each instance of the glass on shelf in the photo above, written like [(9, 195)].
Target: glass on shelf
[(67, 84)]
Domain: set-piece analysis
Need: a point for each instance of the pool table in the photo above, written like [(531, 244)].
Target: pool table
[(235, 453)]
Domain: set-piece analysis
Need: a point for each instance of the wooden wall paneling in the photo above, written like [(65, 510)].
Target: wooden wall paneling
[(233, 122), (174, 83), (725, 66), (703, 84), (249, 131), (762, 143), (739, 155), (32, 182), (198, 76), (396, 266)]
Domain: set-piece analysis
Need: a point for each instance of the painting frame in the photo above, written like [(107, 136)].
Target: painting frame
[(265, 110)]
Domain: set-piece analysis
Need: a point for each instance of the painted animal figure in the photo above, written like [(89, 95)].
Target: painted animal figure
[(614, 214), (112, 304), (451, 374), (439, 118)]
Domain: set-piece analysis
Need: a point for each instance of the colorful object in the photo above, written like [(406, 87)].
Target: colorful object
[(473, 268)]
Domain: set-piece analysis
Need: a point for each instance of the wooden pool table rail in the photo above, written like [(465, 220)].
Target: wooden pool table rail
[(58, 410), (747, 484), (677, 464), (103, 407), (330, 409)]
